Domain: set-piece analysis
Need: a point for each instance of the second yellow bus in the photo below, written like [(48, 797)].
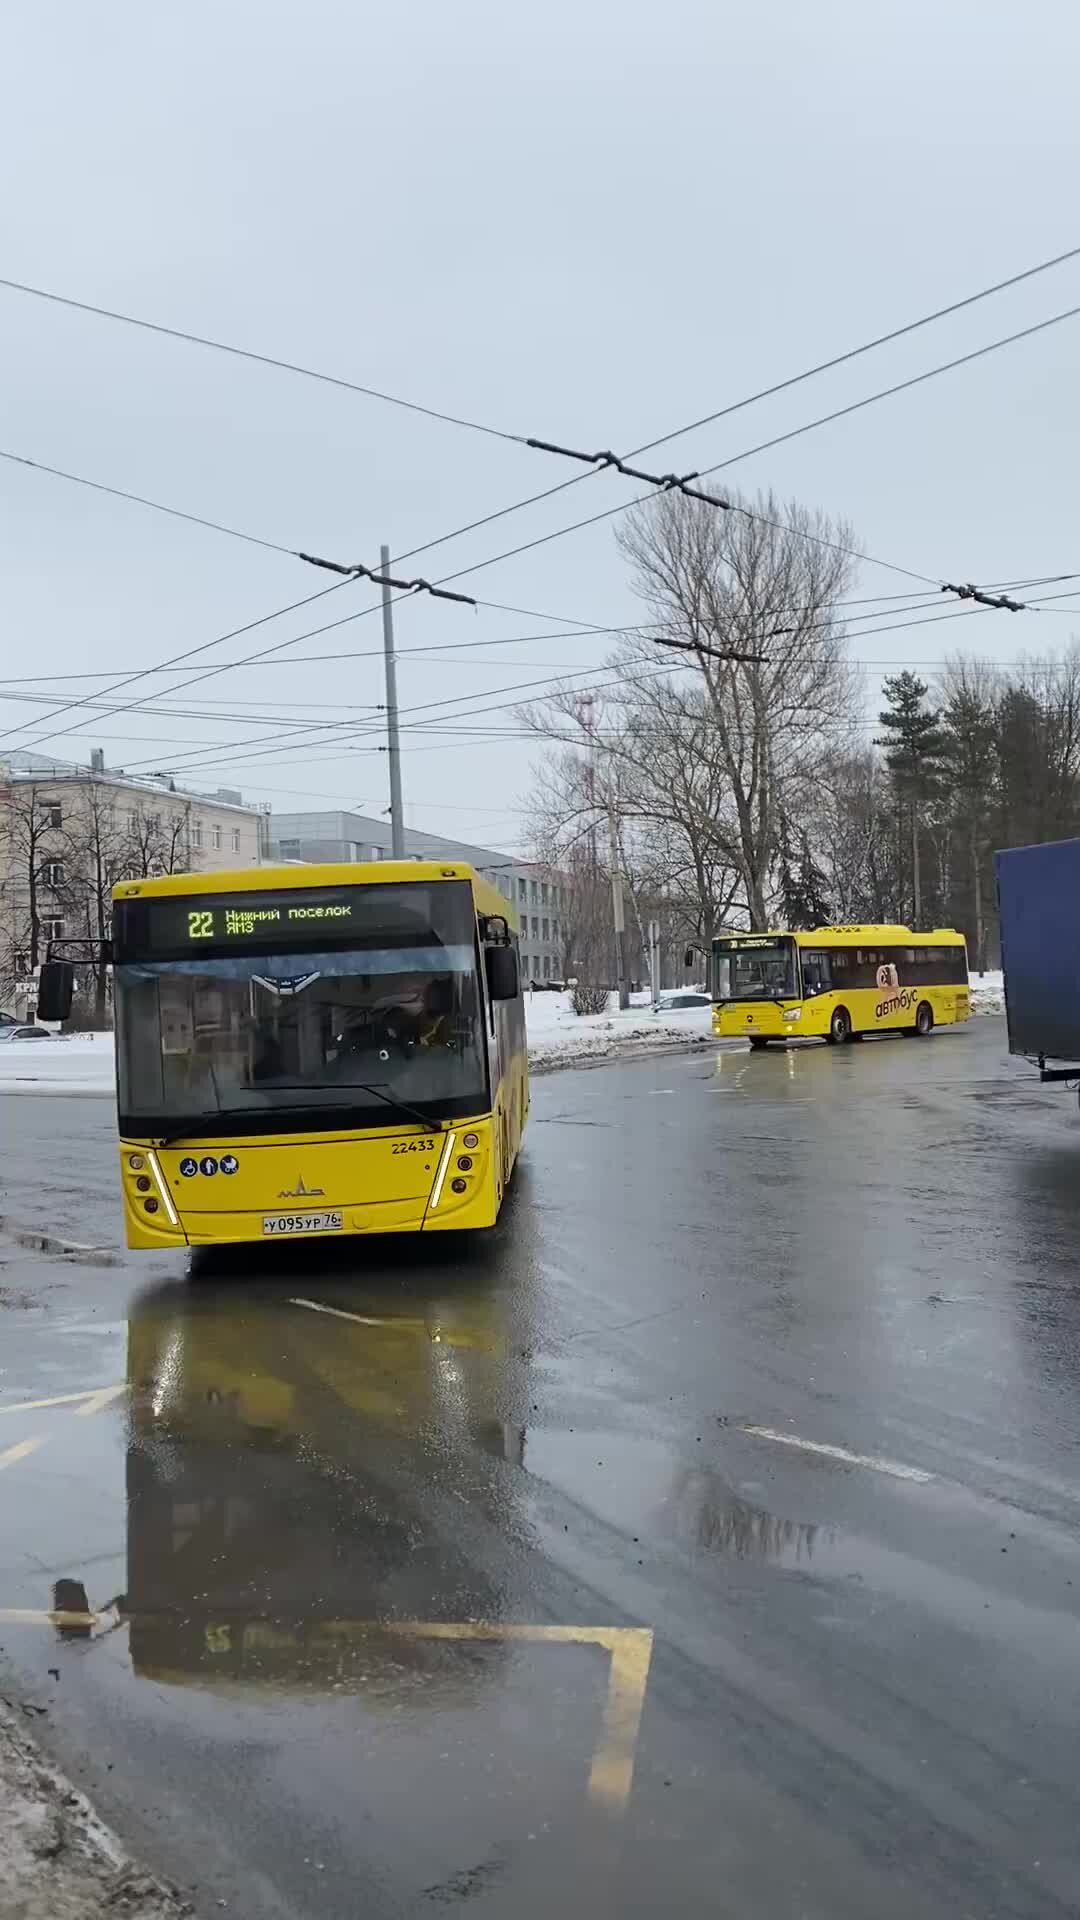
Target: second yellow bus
[(837, 983)]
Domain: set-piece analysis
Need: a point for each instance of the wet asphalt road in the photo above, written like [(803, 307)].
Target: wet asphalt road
[(376, 1537)]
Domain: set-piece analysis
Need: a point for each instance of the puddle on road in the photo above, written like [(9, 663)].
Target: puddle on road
[(641, 1487)]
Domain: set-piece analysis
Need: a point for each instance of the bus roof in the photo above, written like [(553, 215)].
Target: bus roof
[(880, 935), (336, 873)]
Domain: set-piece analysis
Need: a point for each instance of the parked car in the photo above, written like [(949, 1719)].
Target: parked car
[(678, 999), (25, 1033)]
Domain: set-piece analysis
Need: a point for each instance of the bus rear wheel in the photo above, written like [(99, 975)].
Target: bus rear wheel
[(924, 1020), (839, 1027)]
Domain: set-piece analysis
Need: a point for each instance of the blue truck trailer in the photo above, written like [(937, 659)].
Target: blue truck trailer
[(1038, 891)]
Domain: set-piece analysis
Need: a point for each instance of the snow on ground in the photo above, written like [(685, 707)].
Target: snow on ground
[(56, 1856), (558, 1036), (71, 1063), (987, 992), (83, 1062)]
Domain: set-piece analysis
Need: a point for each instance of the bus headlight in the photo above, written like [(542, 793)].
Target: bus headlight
[(792, 1013)]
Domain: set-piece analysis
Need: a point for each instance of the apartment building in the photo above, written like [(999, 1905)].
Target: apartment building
[(68, 833), (541, 898)]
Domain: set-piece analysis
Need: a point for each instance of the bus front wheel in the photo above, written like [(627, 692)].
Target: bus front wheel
[(924, 1020), (839, 1027)]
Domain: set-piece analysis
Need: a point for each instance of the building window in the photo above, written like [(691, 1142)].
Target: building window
[(52, 929), (535, 928), (53, 873), (236, 839), (543, 893), (196, 833), (533, 892), (523, 891), (546, 931), (22, 964), (55, 812), (547, 967), (215, 833), (555, 933), (289, 849), (536, 966)]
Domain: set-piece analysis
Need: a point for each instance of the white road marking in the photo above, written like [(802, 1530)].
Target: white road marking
[(19, 1451), (871, 1460), (339, 1313), (97, 1397), (104, 1397)]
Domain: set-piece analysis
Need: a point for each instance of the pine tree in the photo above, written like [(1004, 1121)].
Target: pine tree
[(914, 743), (803, 887), (970, 726)]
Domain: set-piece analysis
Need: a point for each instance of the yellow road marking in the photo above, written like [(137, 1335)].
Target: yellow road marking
[(43, 1617), (96, 1398), (630, 1649), (19, 1451), (611, 1774)]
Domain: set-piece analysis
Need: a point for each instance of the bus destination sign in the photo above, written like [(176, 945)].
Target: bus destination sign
[(291, 918)]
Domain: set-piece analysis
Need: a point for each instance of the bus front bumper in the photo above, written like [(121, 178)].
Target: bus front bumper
[(311, 1186), (759, 1020)]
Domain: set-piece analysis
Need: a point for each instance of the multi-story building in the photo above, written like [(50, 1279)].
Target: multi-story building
[(68, 833), (540, 896)]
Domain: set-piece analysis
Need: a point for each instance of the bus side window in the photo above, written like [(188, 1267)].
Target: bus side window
[(817, 974)]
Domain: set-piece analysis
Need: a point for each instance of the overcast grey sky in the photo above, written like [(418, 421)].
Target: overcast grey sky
[(588, 221)]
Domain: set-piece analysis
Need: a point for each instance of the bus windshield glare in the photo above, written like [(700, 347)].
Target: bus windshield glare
[(340, 1007), (754, 968)]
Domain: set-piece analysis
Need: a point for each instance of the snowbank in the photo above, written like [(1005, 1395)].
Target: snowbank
[(71, 1063), (987, 993), (83, 1062), (56, 1857), (558, 1036)]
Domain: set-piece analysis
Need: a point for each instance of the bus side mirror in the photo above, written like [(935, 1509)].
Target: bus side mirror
[(502, 972), (56, 989)]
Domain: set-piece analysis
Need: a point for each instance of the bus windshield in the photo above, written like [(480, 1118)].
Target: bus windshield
[(344, 1031), (754, 968)]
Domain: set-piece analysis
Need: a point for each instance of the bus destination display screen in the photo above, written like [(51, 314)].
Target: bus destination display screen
[(185, 926)]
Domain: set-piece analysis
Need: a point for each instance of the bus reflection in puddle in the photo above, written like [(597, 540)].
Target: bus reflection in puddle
[(296, 1465)]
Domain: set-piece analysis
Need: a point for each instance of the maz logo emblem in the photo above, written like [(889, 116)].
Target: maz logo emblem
[(300, 1192)]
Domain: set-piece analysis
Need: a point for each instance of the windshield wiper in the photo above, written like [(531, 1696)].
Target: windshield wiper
[(270, 1112), (372, 1086)]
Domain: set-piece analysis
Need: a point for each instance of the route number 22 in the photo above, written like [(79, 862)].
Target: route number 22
[(200, 926)]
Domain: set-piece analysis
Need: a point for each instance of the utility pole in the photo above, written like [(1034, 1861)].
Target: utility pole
[(587, 720), (654, 959), (617, 915), (393, 743)]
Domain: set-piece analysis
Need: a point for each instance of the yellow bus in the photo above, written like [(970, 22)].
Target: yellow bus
[(837, 983), (319, 1050)]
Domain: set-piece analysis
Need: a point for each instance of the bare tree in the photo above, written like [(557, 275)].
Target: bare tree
[(101, 854), (567, 840), (650, 758), (158, 842), (33, 861), (852, 825), (763, 580)]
